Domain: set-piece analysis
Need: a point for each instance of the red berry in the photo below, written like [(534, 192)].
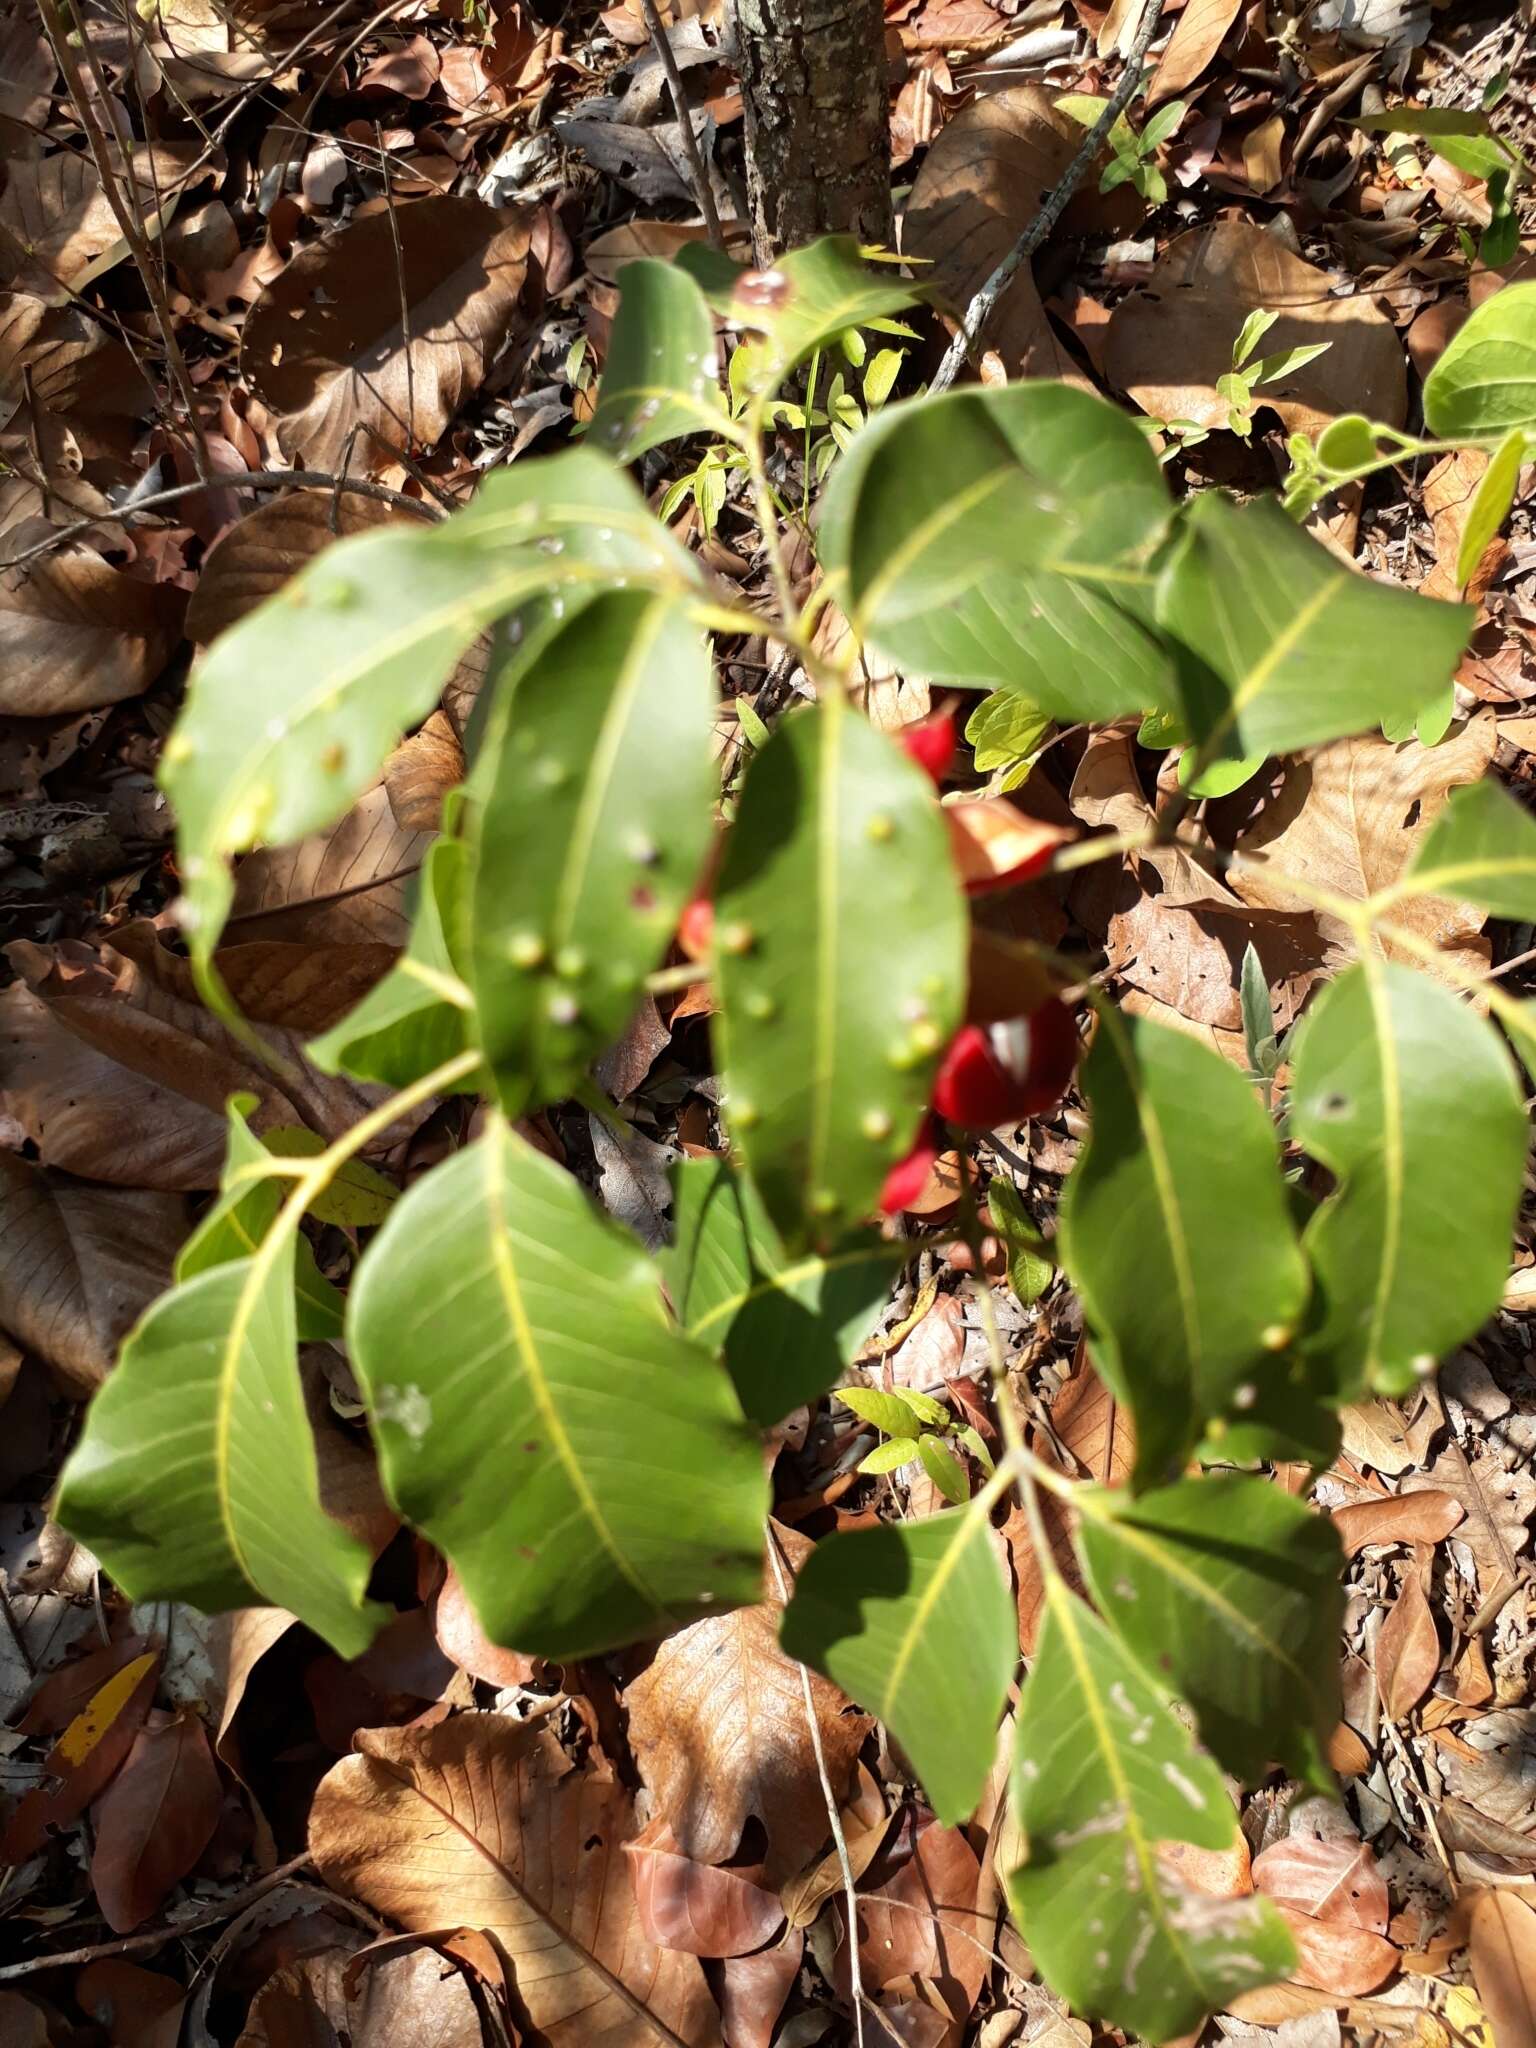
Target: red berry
[(1003, 1073), (931, 744), (909, 1176), (696, 928)]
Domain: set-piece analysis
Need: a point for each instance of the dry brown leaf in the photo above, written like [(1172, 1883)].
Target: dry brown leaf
[(918, 1917), (1197, 35), (464, 1643), (934, 1349), (663, 239), (980, 185), (1504, 1965), (1376, 1435), (482, 1822), (1171, 340), (69, 362), (718, 1728), (155, 1818), (1407, 1650), (79, 1264), (78, 633), (699, 1908), (1096, 1431), (1333, 1898), (1449, 490), (1498, 1504), (1350, 818), (337, 2000), (83, 1760), (753, 1990), (1172, 930), (1404, 1518), (347, 886), (58, 217), (1263, 164), (420, 773), (117, 1072), (865, 1824), (258, 554), (325, 348)]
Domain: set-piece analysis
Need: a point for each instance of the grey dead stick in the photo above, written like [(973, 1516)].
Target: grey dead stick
[(982, 304), (703, 190)]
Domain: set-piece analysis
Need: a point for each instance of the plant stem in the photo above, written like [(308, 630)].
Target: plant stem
[(667, 58)]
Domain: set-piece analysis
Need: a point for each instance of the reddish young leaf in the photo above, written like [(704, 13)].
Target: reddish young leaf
[(83, 1759), (155, 1819)]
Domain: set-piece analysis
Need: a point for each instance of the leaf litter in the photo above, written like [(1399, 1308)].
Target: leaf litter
[(361, 301)]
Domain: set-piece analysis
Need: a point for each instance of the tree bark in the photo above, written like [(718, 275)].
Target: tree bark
[(813, 82)]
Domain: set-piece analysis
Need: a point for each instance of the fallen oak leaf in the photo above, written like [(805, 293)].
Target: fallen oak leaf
[(482, 1822)]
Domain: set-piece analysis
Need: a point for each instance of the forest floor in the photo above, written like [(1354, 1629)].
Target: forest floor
[(516, 155)]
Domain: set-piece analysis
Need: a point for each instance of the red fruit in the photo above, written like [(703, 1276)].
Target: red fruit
[(696, 928), (931, 744), (995, 846), (1001, 1073), (909, 1176)]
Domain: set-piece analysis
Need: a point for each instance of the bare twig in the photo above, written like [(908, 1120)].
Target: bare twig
[(238, 480), (155, 1937), (840, 1840), (668, 61), (127, 219), (982, 304)]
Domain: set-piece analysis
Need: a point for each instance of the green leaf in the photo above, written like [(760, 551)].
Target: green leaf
[(1485, 381), (595, 825), (1162, 124), (250, 1195), (661, 377), (1230, 1587), (583, 1464), (1481, 849), (915, 1621), (1181, 1165), (887, 1412), (944, 1469), (1268, 368), (419, 1016), (790, 1326), (1409, 1099), (1250, 334), (1005, 728), (356, 647), (1349, 442), (1295, 649), (889, 1456), (1464, 139), (357, 1196), (1031, 1268), (1000, 538), (804, 301), (1104, 1777), (195, 1478), (1490, 506), (930, 1412), (830, 1035), (1258, 1017)]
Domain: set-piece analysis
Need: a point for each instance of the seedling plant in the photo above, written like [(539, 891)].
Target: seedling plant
[(578, 1425)]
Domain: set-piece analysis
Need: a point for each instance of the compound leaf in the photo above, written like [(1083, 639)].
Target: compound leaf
[(1105, 1779), (1410, 1100), (1026, 568), (916, 1622), (596, 819), (1293, 648), (582, 1463), (1231, 1587), (1176, 1232), (830, 1035)]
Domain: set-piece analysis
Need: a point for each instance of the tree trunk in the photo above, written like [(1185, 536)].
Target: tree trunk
[(813, 82)]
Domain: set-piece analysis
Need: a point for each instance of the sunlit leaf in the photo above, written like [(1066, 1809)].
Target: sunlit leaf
[(1230, 1587), (660, 376), (1293, 648), (1176, 1231), (1484, 381), (1104, 1777), (581, 1462), (915, 1622), (196, 1477), (1490, 505), (595, 823), (806, 299), (1481, 849), (999, 538), (831, 1033), (1409, 1099)]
